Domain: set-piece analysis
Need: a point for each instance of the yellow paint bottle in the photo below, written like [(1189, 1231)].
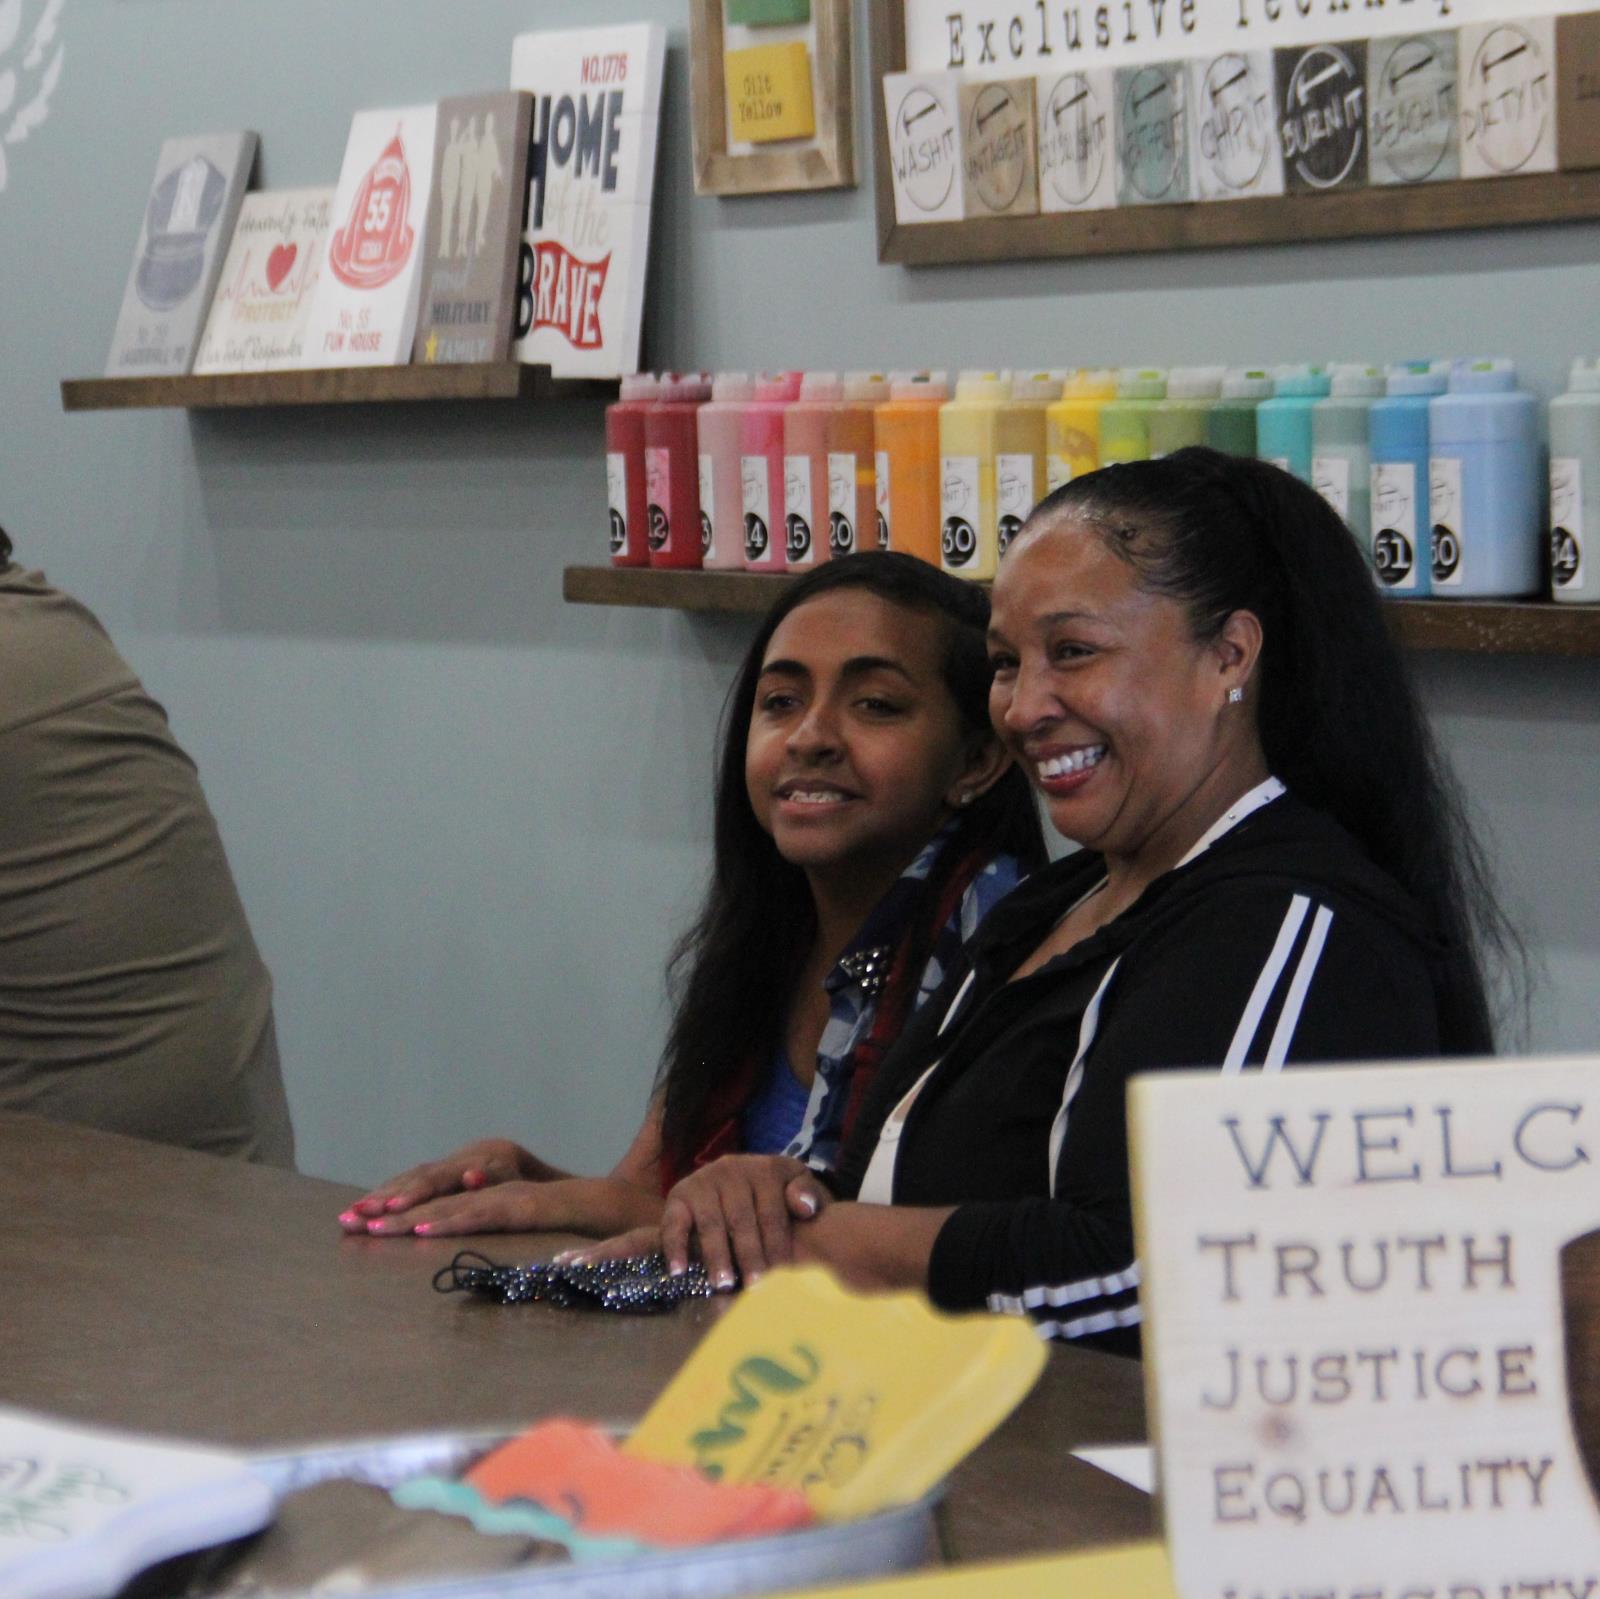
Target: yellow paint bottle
[(969, 443), (1072, 425), (1020, 451)]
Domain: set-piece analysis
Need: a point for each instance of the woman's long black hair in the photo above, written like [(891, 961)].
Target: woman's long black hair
[(1338, 717), (733, 971), (5, 547)]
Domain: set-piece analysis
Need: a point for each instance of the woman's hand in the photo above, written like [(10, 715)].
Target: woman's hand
[(565, 1204), (475, 1166), (737, 1211)]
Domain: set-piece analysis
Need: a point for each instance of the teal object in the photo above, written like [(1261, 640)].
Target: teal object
[(765, 13), (1341, 458), (519, 1516), (1283, 423), (1231, 422), (1397, 430)]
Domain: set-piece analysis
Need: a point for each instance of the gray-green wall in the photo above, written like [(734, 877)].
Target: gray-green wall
[(466, 819)]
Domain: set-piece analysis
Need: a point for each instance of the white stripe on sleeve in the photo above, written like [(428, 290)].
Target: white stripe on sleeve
[(1067, 1293), (1289, 1018), (1245, 1034)]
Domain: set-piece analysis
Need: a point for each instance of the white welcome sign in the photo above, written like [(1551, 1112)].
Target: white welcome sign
[(1007, 38), (1353, 1327)]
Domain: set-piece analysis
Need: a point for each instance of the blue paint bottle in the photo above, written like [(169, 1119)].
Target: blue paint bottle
[(1483, 484), (1283, 423), (1401, 543)]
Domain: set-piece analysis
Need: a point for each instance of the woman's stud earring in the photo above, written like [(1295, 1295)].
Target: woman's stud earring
[(965, 797), (1235, 695)]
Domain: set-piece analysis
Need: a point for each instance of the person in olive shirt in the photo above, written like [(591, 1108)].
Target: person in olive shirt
[(132, 995)]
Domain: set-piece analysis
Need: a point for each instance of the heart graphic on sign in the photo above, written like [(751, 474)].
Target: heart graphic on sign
[(279, 263)]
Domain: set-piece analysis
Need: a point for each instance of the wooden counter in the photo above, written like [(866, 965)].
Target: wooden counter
[(159, 1290)]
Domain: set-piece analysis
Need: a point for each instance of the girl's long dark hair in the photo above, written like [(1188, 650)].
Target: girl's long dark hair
[(1338, 717), (5, 547), (732, 973)]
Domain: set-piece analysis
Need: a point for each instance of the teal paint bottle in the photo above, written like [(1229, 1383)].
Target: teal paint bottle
[(1341, 458), (1398, 427), (1575, 486), (1283, 423)]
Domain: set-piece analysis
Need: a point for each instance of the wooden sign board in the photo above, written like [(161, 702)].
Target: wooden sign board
[(1578, 90), (1355, 1283)]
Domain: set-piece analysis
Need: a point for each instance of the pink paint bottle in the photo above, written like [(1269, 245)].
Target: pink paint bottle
[(721, 495), (761, 469), (805, 470), (852, 465), (625, 469), (672, 470)]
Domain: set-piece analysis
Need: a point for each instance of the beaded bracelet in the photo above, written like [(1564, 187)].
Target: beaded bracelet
[(638, 1283)]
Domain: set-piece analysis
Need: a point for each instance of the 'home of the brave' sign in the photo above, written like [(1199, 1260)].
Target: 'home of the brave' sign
[(1353, 1291)]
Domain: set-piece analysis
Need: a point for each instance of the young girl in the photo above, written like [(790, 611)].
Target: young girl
[(866, 819)]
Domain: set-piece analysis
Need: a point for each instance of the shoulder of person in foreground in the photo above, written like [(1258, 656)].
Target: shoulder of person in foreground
[(1296, 951)]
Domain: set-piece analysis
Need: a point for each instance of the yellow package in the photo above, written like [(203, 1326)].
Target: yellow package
[(859, 1402)]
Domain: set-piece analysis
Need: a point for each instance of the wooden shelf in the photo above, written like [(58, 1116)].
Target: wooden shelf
[(370, 385), (1471, 627)]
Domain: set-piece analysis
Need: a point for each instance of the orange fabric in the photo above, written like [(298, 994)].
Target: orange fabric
[(578, 1472)]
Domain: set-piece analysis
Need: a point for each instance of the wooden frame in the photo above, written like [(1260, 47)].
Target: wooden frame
[(1203, 225), (826, 161)]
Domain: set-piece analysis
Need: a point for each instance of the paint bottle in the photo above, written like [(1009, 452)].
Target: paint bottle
[(761, 469), (672, 470), (721, 491), (852, 464), (969, 441), (1483, 484), (1125, 420), (1072, 425), (1283, 423), (1231, 422), (1341, 455), (906, 435), (625, 468), (1019, 482), (805, 469), (1181, 418), (1398, 431), (1575, 485)]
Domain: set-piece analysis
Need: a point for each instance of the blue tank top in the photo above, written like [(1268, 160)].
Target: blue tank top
[(775, 1112)]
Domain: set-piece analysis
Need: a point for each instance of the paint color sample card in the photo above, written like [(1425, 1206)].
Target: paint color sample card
[(1508, 98), (1234, 126), (81, 1511), (769, 93), (467, 307), (591, 174), (766, 13), (924, 116), (1153, 165), (365, 311), (1322, 104), (999, 148), (188, 221), (263, 299), (1077, 144), (1413, 130)]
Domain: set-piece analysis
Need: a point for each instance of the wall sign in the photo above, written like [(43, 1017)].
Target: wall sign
[(1300, 120), (1367, 1291), (32, 72)]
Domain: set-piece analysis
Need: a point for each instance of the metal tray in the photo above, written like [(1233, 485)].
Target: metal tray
[(895, 1540)]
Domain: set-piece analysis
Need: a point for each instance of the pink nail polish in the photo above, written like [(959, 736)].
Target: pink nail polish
[(423, 1227), (349, 1218), (396, 1203), (375, 1226)]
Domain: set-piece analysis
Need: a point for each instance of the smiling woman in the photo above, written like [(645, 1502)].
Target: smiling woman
[(1190, 663), (866, 819)]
